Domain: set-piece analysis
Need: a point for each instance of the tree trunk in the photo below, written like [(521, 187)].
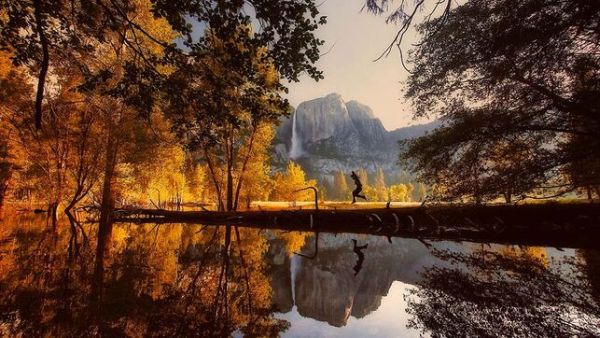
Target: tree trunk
[(213, 176), (53, 213), (106, 223), (4, 187), (44, 66), (508, 196), (229, 187), (243, 171)]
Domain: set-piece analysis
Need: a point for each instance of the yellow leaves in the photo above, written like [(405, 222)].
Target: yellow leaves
[(533, 253), (256, 181), (119, 236), (196, 181), (293, 240), (143, 40), (286, 185), (5, 64), (15, 87), (399, 193), (158, 28)]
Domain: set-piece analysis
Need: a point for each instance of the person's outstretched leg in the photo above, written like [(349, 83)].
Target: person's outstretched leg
[(355, 193)]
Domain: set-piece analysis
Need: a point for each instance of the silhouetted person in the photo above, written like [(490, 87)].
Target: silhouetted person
[(356, 192), (361, 256)]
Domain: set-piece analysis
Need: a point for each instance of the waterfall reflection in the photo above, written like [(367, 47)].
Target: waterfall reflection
[(186, 280)]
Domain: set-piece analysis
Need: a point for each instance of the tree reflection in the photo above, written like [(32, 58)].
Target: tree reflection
[(168, 280), (505, 293)]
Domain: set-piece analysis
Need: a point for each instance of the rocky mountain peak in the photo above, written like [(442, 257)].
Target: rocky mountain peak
[(359, 111), (322, 118), (337, 135)]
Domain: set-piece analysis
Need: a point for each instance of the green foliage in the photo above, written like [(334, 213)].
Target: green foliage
[(516, 84)]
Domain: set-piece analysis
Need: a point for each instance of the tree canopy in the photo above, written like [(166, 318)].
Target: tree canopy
[(516, 84), (38, 32)]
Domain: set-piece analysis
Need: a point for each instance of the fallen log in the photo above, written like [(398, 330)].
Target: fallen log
[(558, 225)]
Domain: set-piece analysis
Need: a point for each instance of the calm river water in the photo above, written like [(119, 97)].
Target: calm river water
[(174, 280)]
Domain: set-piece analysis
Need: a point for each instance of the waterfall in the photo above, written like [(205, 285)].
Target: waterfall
[(294, 266), (296, 147)]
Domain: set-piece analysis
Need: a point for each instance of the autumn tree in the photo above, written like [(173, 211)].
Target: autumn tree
[(41, 33), (256, 176), (14, 96), (240, 83), (380, 187), (196, 180), (287, 185), (398, 192), (125, 64)]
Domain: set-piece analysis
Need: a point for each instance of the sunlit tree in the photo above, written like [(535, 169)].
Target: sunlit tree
[(287, 185), (380, 187), (340, 188)]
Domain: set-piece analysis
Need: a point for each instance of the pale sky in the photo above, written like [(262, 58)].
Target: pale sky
[(349, 70)]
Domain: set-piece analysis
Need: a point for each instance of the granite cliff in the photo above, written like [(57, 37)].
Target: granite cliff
[(328, 134)]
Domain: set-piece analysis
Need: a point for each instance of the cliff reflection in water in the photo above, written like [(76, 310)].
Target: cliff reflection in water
[(183, 280)]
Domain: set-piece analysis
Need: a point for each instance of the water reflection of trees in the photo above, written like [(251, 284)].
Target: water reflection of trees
[(505, 293), (168, 280)]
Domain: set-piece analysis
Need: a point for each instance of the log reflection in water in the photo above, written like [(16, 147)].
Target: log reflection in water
[(185, 280), (515, 292)]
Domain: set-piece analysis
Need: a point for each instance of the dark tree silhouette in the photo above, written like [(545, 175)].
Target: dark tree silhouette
[(512, 294), (516, 84)]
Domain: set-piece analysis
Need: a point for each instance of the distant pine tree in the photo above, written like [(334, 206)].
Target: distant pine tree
[(380, 187), (340, 186)]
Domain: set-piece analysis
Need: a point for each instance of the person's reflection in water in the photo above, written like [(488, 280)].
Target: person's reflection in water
[(361, 256)]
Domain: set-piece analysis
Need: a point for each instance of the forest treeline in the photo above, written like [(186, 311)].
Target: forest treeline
[(398, 186), (115, 103)]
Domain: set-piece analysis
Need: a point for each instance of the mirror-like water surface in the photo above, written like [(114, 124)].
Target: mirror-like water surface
[(194, 280)]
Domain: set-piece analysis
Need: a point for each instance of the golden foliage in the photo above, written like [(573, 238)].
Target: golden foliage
[(287, 185)]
